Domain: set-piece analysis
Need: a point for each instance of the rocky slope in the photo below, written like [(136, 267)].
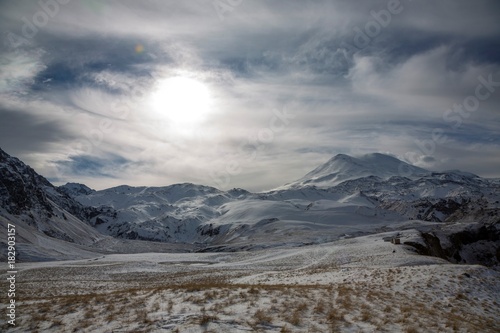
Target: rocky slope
[(41, 212)]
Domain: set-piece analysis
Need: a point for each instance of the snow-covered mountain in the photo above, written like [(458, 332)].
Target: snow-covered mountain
[(343, 167), (317, 208), (50, 224), (41, 213), (345, 197)]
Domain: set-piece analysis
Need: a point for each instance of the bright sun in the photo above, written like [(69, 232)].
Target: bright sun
[(184, 102)]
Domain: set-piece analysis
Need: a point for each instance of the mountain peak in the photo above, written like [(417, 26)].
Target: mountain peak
[(75, 189), (341, 156), (343, 167)]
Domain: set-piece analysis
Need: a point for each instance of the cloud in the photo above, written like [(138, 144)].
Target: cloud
[(18, 71), (75, 95), (22, 132), (90, 166)]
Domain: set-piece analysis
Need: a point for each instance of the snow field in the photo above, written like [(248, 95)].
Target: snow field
[(352, 285)]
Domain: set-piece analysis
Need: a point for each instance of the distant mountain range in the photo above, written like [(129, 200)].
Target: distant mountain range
[(345, 197)]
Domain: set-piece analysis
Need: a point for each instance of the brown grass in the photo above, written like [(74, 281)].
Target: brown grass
[(310, 307), (262, 318), (206, 319), (285, 329), (320, 307)]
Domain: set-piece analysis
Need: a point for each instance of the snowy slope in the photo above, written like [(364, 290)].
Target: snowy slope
[(199, 214), (172, 213)]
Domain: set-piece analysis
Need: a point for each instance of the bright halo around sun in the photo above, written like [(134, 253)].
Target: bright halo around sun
[(182, 101)]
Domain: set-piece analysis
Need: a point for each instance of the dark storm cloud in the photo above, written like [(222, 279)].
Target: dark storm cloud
[(22, 132), (90, 166)]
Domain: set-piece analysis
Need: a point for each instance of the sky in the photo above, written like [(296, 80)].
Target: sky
[(246, 94)]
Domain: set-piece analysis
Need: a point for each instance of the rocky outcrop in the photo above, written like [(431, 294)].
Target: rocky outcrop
[(474, 244)]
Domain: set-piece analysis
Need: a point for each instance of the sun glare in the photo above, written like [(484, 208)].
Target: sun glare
[(184, 102)]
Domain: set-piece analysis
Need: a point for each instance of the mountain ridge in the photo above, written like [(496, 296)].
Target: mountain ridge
[(205, 218)]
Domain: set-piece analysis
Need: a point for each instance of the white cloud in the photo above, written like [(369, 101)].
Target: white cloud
[(18, 69)]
